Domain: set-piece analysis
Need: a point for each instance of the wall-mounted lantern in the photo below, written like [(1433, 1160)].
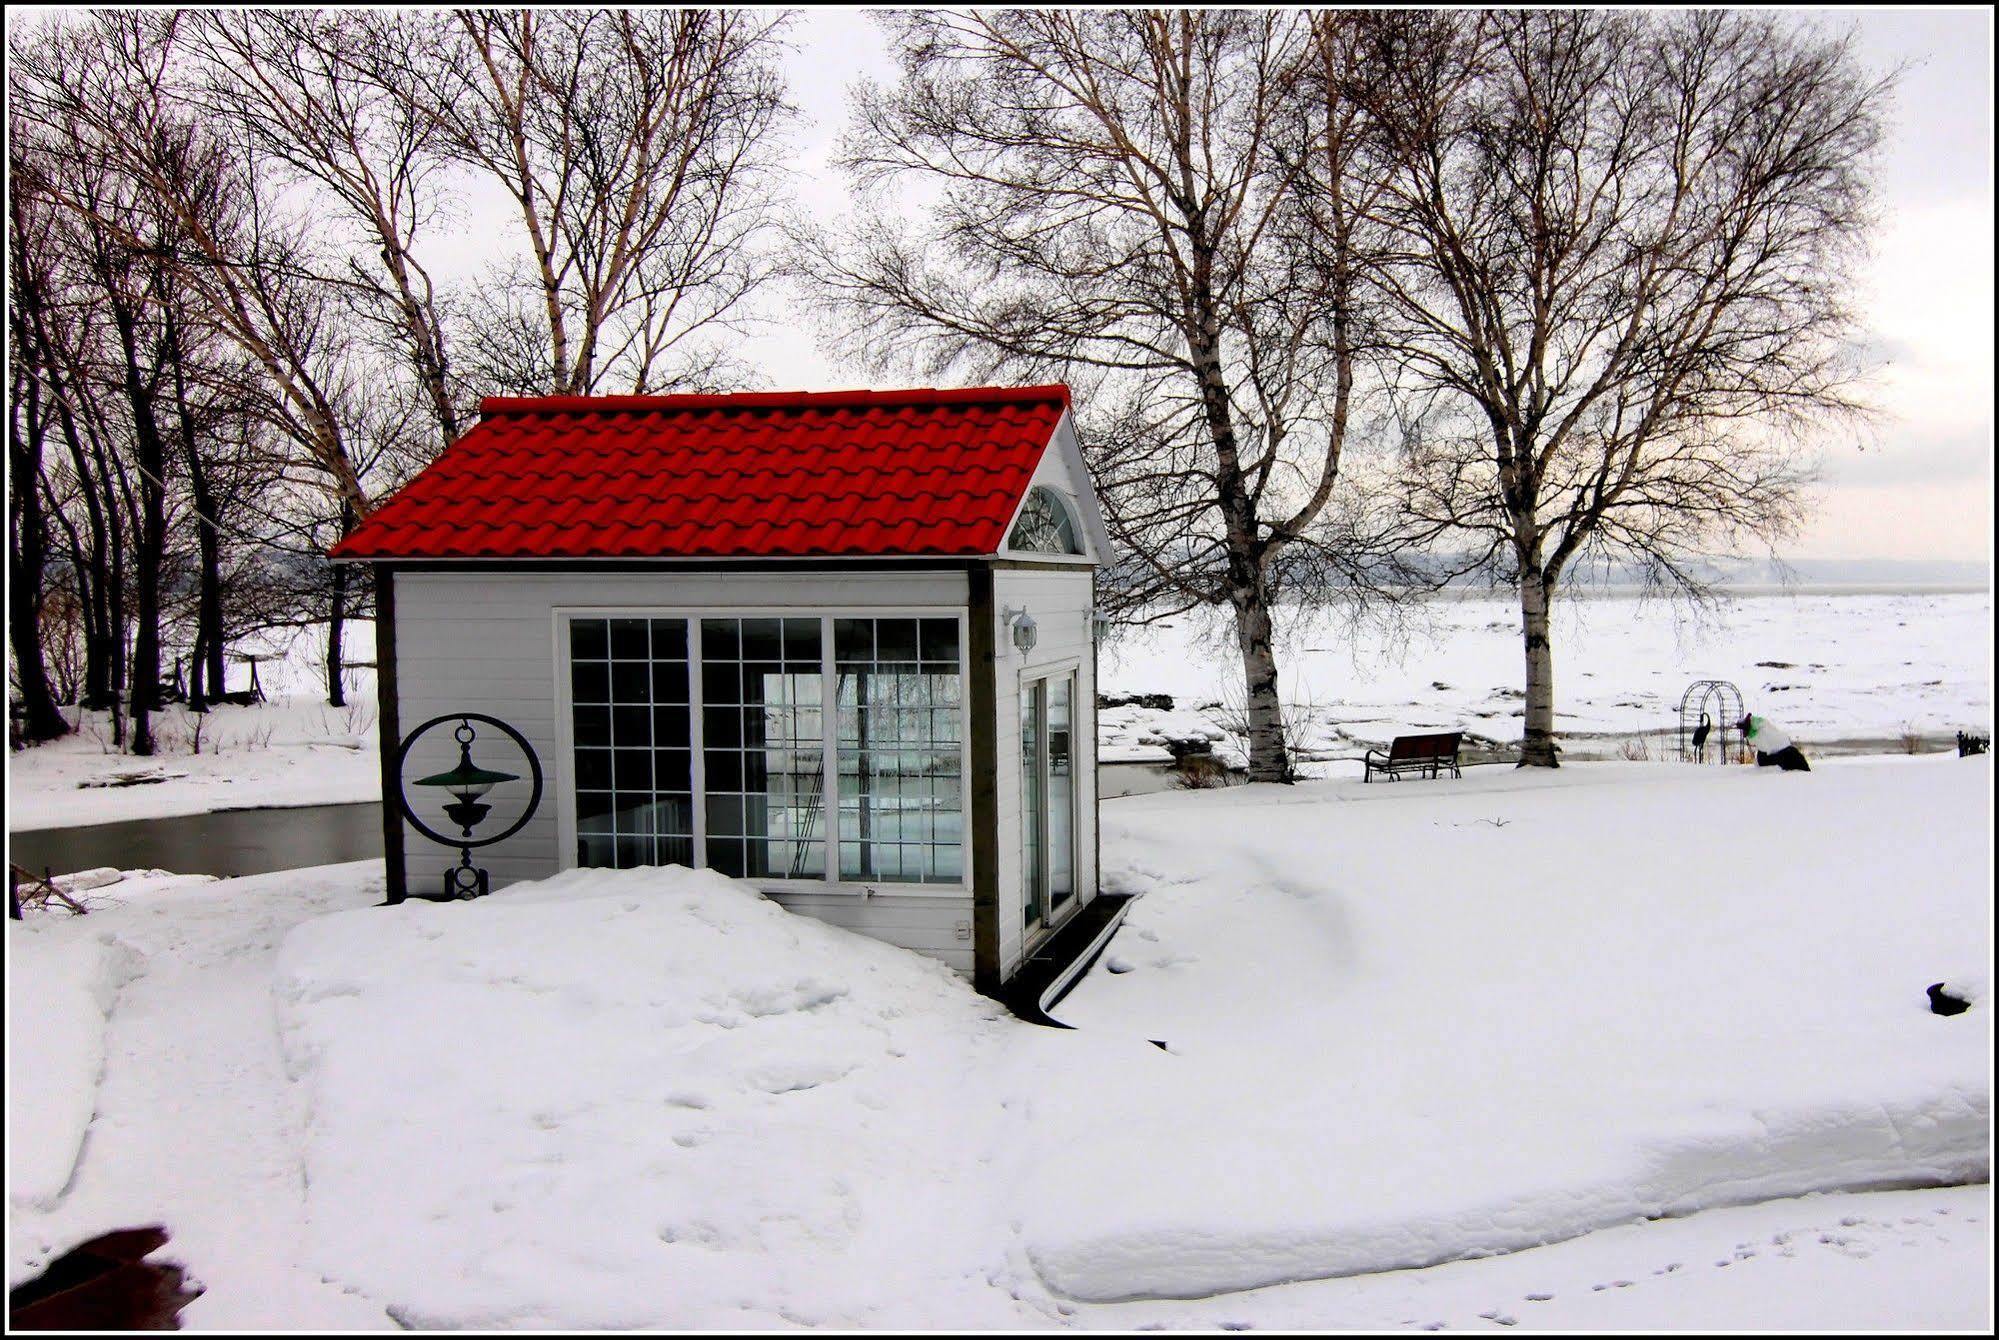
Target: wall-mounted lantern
[(1100, 626), (1025, 634), (467, 784)]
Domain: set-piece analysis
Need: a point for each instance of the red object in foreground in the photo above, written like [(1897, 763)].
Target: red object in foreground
[(104, 1285), (764, 475)]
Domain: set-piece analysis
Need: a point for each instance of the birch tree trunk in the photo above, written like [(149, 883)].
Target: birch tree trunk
[(1537, 738), (1269, 760)]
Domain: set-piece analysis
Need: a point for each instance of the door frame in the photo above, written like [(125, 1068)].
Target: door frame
[(1038, 920)]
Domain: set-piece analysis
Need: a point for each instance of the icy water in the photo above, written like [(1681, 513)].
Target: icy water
[(226, 842)]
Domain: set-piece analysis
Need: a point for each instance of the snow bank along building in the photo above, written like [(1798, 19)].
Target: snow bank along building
[(839, 645)]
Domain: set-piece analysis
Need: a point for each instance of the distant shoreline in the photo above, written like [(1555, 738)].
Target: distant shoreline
[(1736, 590)]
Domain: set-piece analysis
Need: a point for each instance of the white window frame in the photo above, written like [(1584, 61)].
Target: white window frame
[(1070, 668), (1069, 509), (830, 883)]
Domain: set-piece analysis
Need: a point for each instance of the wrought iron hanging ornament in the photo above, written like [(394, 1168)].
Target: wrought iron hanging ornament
[(467, 784)]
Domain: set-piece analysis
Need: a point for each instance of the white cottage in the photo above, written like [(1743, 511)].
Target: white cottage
[(839, 645)]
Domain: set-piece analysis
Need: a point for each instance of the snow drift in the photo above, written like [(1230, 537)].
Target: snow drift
[(60, 990), (1414, 1025), (617, 1099), (1407, 1024)]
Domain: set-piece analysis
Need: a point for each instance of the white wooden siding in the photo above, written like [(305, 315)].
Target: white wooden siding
[(483, 640), (1060, 601)]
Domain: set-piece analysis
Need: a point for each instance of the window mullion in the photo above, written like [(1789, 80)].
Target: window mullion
[(1046, 799), (697, 744), (829, 734)]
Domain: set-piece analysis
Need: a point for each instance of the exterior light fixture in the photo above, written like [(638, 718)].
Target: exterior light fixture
[(1023, 627), (467, 782), (467, 785), (1100, 625)]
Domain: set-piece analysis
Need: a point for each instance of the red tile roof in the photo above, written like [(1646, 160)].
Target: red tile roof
[(789, 474)]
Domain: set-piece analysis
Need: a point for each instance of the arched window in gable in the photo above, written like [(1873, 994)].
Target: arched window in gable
[(1046, 525)]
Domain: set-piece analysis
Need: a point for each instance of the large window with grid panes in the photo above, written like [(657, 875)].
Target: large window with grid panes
[(779, 748)]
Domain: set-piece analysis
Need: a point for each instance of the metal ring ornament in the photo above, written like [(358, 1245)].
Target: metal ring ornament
[(402, 792)]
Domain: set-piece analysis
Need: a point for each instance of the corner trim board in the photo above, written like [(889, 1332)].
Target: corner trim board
[(983, 723), (389, 722)]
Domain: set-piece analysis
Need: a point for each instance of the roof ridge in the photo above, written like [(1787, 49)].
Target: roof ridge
[(512, 406)]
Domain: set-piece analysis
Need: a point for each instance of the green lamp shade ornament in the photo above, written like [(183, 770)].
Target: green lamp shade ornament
[(468, 782)]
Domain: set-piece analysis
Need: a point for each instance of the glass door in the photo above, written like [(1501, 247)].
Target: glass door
[(1047, 800), (1033, 808), (1060, 789)]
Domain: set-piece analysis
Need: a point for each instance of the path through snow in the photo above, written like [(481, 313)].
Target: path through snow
[(196, 1125)]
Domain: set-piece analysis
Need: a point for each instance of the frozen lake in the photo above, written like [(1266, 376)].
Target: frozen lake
[(1831, 666), (1845, 670)]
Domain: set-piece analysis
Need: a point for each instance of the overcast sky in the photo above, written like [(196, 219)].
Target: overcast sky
[(1922, 488)]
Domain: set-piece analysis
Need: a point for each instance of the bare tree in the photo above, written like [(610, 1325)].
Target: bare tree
[(1118, 198), (30, 418), (306, 90), (637, 148), (52, 317), (124, 262), (120, 94), (109, 90), (1623, 245)]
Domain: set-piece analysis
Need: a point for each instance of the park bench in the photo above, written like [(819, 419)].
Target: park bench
[(1427, 754)]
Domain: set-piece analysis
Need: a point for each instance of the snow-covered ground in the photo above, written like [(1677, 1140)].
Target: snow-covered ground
[(1862, 669), (291, 750), (1515, 1007), (1829, 667), (1406, 1024), (1879, 1261), (192, 1122), (55, 1042)]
